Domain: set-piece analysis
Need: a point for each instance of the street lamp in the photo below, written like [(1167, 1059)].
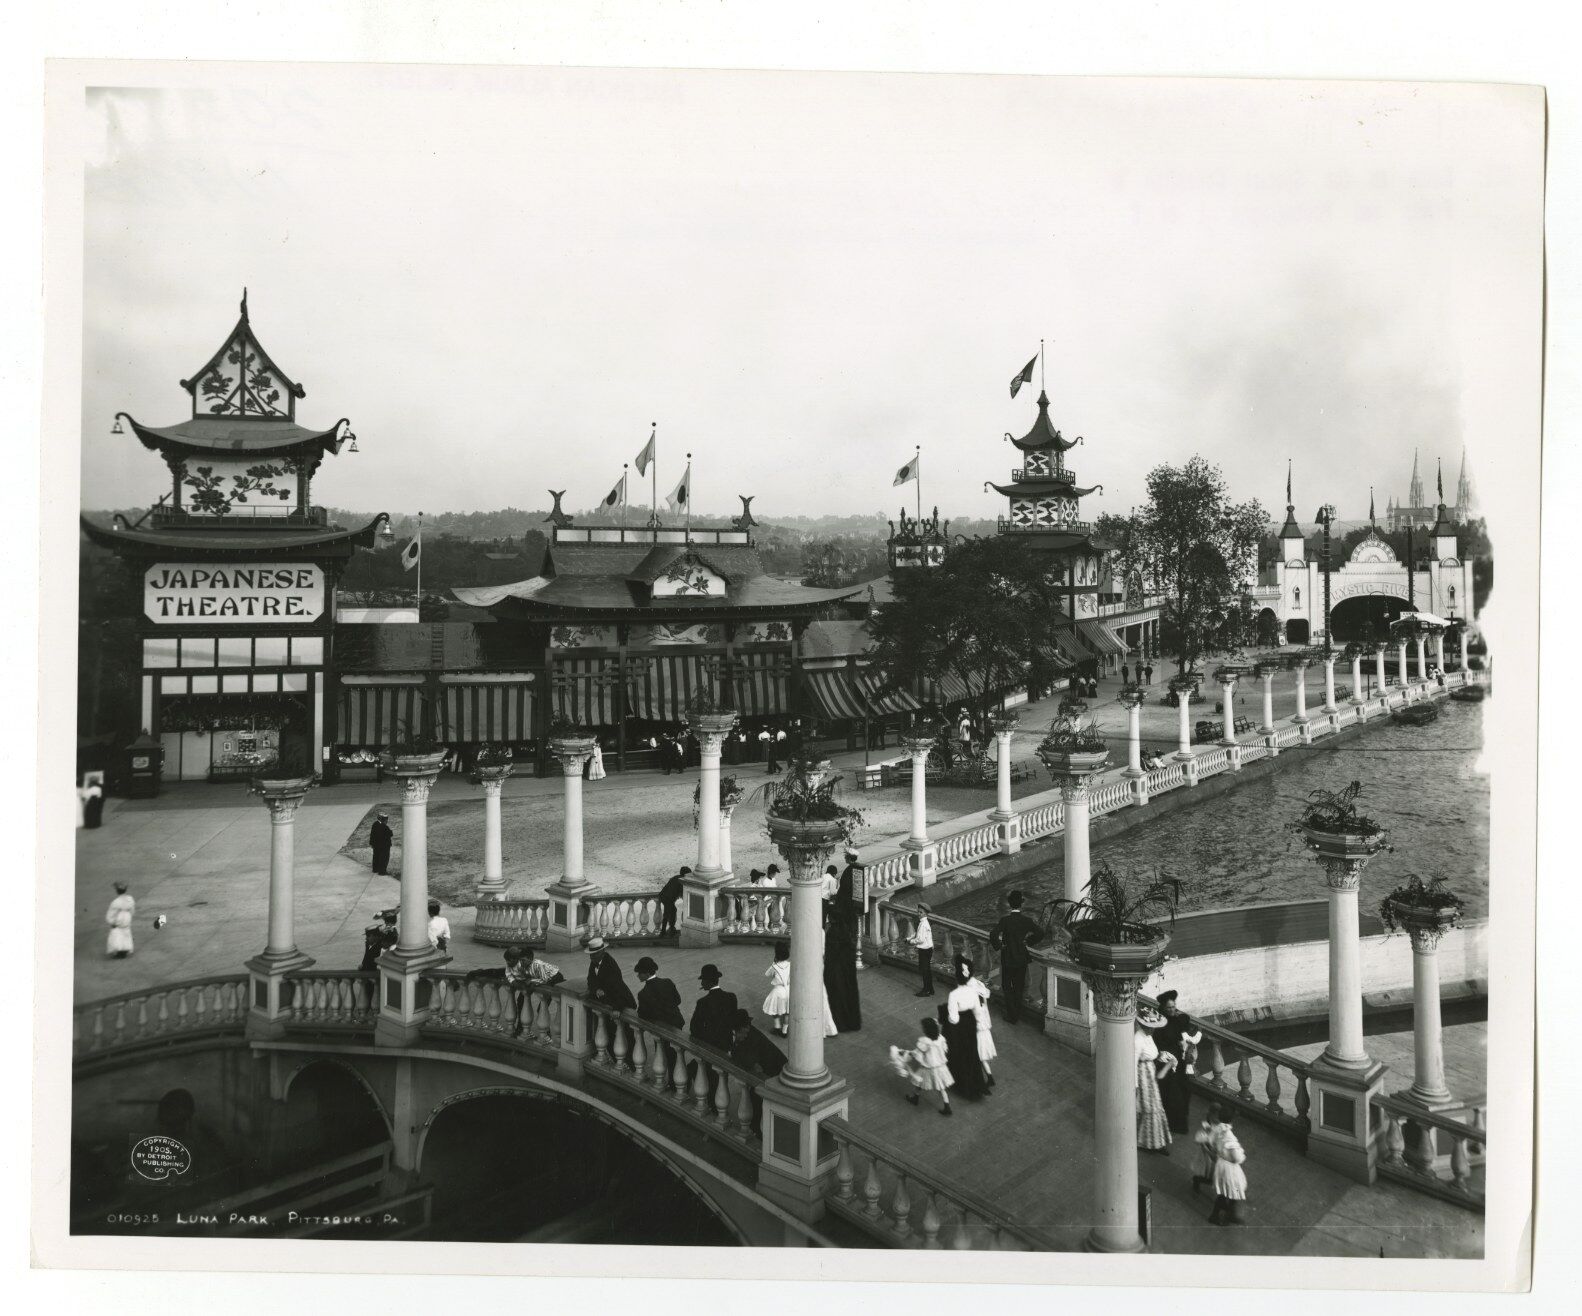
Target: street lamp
[(1326, 518)]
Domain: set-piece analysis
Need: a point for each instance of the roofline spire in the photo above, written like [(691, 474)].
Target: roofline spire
[(244, 303)]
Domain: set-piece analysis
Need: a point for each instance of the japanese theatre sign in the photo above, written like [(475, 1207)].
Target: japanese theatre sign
[(185, 592)]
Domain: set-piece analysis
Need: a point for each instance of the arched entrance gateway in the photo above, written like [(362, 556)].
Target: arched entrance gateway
[(1366, 616), (510, 1166)]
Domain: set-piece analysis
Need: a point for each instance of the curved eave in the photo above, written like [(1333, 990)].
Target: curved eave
[(1044, 434), (1037, 488), (239, 436), (230, 543), (703, 608)]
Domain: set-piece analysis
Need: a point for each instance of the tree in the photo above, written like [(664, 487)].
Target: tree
[(984, 615), (1203, 551), (1128, 556)]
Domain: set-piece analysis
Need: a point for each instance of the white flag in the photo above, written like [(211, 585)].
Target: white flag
[(647, 454), (910, 470), (410, 554), (681, 495)]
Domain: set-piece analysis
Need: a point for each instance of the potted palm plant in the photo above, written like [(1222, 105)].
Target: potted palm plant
[(1419, 906), (706, 714), (804, 814), (1121, 923), (414, 750), (1332, 826), (732, 793), (567, 738), (1072, 747)]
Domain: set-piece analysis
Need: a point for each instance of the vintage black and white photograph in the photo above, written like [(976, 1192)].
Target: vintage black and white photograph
[(714, 660)]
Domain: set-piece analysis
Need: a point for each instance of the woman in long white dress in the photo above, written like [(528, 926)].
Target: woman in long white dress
[(986, 1048), (119, 917), (1230, 1180), (596, 767), (1153, 1128)]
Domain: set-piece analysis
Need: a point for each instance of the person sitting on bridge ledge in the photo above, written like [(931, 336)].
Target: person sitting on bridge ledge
[(658, 1001), (714, 1015), (605, 983)]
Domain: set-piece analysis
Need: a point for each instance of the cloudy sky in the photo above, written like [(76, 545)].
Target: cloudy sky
[(503, 276)]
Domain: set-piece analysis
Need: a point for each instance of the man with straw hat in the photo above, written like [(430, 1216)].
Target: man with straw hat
[(605, 983)]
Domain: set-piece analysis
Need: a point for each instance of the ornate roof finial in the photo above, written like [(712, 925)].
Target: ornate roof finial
[(746, 518), (556, 515), (244, 303)]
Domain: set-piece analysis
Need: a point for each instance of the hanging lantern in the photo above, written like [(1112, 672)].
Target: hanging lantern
[(116, 428)]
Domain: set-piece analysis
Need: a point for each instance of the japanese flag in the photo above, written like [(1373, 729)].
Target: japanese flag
[(410, 554)]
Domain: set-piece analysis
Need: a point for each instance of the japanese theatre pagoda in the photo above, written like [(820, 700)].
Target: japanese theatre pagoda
[(239, 571)]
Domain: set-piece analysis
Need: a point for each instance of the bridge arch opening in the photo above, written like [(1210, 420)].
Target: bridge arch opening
[(327, 1112), (1366, 617), (1268, 628), (520, 1167)]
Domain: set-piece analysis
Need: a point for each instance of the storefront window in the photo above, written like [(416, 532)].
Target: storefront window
[(307, 651), (236, 652), (159, 653), (266, 684), (294, 682), (197, 653), (270, 651), (234, 685), (173, 685), (205, 685)]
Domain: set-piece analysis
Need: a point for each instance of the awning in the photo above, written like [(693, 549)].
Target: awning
[(374, 715), (901, 701), (950, 689), (584, 691), (1100, 638), (659, 686), (837, 698), (486, 712), (763, 684)]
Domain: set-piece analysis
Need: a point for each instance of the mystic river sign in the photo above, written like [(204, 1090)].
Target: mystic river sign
[(184, 592)]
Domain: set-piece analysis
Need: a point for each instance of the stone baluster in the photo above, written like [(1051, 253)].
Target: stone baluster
[(268, 972), (568, 910), (492, 778)]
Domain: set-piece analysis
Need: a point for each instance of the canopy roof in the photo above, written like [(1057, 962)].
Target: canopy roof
[(238, 435), (1044, 434), (1037, 488), (260, 538)]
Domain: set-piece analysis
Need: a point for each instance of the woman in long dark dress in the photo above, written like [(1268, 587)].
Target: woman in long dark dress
[(1176, 1036), (840, 958), (958, 1018)]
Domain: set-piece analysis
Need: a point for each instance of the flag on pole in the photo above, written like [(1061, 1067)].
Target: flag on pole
[(617, 496), (910, 471), (681, 496), (1023, 376), (1370, 504), (410, 554), (1288, 482), (647, 454), (1441, 481)]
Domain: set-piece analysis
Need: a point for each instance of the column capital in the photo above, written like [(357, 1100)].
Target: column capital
[(711, 727), (1132, 697), (1425, 939), (1343, 873), (1075, 790), (1114, 996), (918, 746), (414, 790), (572, 752), (281, 795), (491, 776)]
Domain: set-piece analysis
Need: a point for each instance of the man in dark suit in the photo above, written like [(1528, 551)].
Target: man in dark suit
[(1012, 936), (669, 894), (752, 1051), (380, 837), (714, 1016), (605, 983), (658, 1001)]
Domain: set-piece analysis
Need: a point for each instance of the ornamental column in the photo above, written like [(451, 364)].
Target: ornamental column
[(1357, 696), (405, 996), (270, 1002), (1132, 698), (1405, 676), (1428, 1079), (1439, 650), (1344, 1079), (1378, 662), (1008, 823), (1463, 646), (726, 809), (1265, 673), (491, 776), (1300, 668), (796, 1163), (1227, 683), (1183, 694), (1329, 683), (568, 915), (702, 919), (922, 853), (1422, 657), (1073, 754)]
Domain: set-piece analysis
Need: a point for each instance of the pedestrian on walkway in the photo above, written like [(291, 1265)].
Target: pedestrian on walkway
[(771, 745), (605, 983), (1204, 1138), (669, 894), (828, 885), (714, 1016), (1126, 674), (119, 917), (752, 1051), (438, 927), (777, 1005), (378, 937), (1148, 674), (922, 939), (986, 1048), (1153, 1130), (1230, 1180), (380, 837), (658, 1001), (958, 1018), (933, 1058), (1177, 1037), (1013, 935), (596, 763)]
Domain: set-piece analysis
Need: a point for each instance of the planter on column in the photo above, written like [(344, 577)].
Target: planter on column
[(1344, 1079), (568, 914), (1113, 974), (1008, 823), (491, 776), (702, 919), (922, 854), (270, 1002), (1073, 753), (404, 992), (797, 1156)]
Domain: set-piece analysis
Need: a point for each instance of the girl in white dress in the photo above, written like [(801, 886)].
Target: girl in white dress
[(986, 1047), (777, 1005), (1230, 1180), (119, 917), (596, 765), (933, 1062)]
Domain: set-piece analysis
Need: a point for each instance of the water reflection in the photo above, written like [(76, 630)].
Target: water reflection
[(1234, 849)]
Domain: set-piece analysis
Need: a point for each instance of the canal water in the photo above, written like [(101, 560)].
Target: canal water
[(1422, 783)]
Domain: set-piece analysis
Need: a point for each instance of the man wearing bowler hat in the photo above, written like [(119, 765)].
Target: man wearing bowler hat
[(379, 837), (755, 1053), (714, 1016), (605, 983)]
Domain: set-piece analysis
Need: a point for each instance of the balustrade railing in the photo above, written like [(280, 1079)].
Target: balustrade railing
[(1253, 751), (626, 917), (1414, 1142), (1042, 816), (1287, 736), (898, 1203), (1210, 761), (951, 938), (512, 922), (182, 1009), (756, 912), (337, 999), (1166, 778), (1110, 797), (963, 847)]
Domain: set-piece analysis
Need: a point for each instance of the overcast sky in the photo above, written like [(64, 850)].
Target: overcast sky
[(502, 276)]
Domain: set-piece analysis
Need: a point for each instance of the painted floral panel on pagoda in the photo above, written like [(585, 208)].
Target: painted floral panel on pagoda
[(582, 637), (764, 632), (242, 382), (249, 488), (1045, 513), (661, 636)]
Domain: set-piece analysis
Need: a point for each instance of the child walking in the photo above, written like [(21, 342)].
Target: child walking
[(1230, 1180), (933, 1066), (777, 1005), (1204, 1137)]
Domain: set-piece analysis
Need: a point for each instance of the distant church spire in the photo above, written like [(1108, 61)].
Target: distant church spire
[(1414, 494)]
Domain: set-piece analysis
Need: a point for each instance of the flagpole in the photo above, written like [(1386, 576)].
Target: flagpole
[(419, 566), (653, 468), (625, 466), (1041, 365), (688, 478), (919, 469)]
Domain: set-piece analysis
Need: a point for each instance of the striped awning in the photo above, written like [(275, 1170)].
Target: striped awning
[(374, 714), (584, 691), (901, 701), (950, 689), (659, 686), (835, 694), (1100, 638), (763, 684), (486, 712)]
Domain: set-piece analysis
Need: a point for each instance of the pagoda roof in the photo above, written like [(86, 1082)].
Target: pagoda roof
[(1048, 486), (218, 436), (242, 380), (1044, 434), (255, 540), (622, 594)]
